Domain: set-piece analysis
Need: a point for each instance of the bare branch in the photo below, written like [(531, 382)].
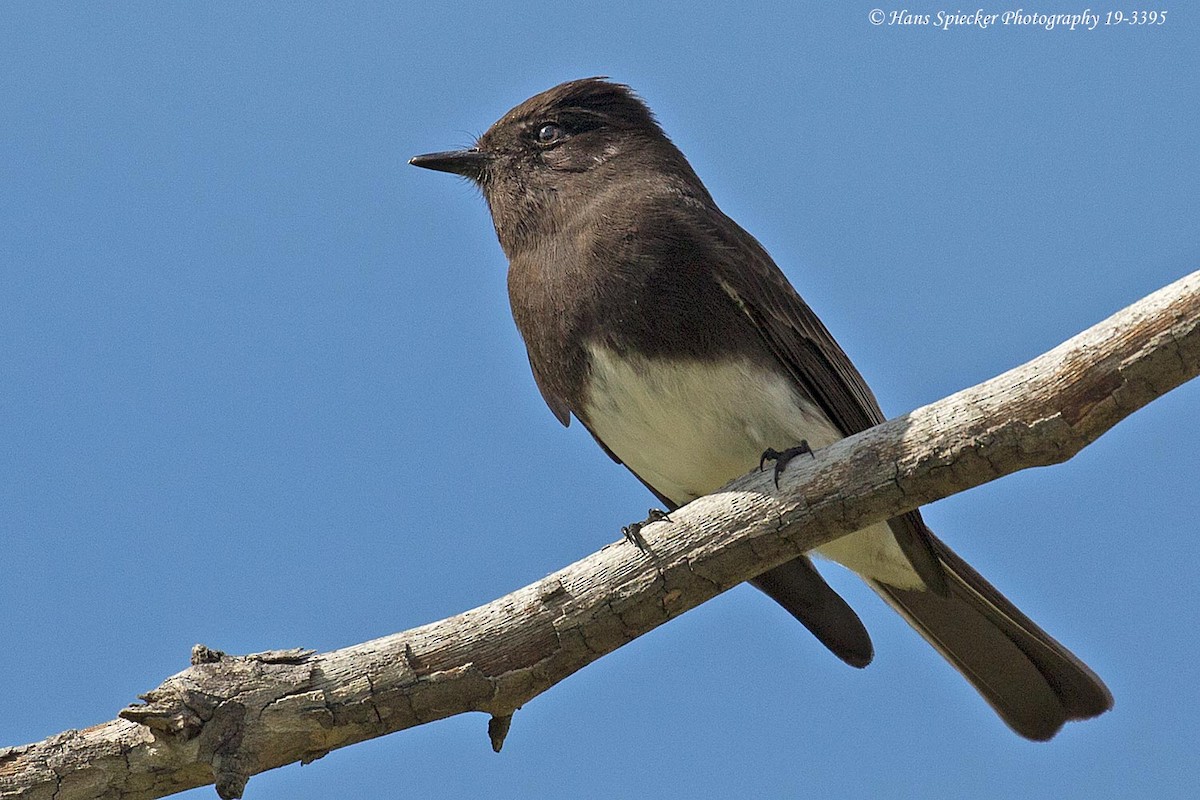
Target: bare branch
[(227, 718)]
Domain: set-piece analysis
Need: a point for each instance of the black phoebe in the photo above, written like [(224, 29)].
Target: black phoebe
[(669, 332)]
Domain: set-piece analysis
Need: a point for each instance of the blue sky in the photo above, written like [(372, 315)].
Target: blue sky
[(259, 385)]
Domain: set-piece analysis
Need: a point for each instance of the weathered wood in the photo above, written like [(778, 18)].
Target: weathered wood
[(227, 718)]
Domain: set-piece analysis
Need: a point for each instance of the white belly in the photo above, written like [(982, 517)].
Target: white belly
[(689, 428)]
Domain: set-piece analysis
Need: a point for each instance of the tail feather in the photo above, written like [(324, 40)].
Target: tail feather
[(798, 587), (1033, 682)]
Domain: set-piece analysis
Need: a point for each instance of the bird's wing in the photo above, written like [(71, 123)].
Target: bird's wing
[(558, 404), (794, 333), (809, 353)]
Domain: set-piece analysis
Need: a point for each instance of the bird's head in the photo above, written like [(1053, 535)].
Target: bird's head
[(565, 144)]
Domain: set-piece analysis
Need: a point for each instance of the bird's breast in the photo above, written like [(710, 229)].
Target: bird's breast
[(689, 426)]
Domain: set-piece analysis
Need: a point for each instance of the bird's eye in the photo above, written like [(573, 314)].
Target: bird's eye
[(550, 133)]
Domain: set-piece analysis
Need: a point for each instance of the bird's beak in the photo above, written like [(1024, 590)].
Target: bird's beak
[(469, 163)]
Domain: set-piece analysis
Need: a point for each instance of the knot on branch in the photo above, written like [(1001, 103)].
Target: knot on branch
[(224, 703), (498, 727)]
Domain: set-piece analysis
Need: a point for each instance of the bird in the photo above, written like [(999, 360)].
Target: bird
[(670, 334)]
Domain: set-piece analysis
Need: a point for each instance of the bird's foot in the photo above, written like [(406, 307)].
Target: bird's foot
[(633, 531), (781, 459)]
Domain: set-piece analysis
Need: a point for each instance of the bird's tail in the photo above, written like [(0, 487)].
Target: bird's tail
[(1033, 682)]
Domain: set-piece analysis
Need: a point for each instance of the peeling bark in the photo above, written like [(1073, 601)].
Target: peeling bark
[(227, 718)]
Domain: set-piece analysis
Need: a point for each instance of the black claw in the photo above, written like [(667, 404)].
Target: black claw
[(633, 534), (781, 459), (633, 531), (770, 454)]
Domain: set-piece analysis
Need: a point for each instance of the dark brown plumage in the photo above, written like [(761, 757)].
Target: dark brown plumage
[(669, 332)]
